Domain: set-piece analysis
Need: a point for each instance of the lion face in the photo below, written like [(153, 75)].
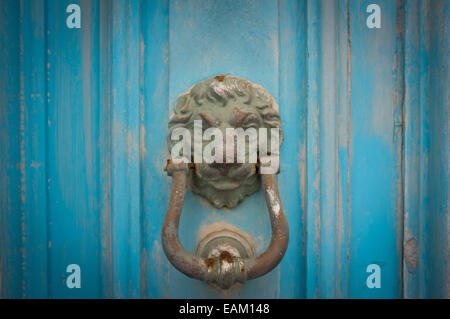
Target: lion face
[(225, 102)]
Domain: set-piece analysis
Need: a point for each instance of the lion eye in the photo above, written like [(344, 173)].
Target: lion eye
[(251, 121), (208, 120)]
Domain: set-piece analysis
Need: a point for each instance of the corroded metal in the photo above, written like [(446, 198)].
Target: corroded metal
[(225, 102), (225, 253), (189, 264), (224, 269), (224, 259), (269, 259)]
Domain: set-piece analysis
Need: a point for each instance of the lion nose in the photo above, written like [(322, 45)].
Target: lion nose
[(224, 168)]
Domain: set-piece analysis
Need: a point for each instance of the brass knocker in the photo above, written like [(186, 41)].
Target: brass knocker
[(223, 258)]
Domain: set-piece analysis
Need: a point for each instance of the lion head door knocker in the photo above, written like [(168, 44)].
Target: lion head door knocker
[(225, 135)]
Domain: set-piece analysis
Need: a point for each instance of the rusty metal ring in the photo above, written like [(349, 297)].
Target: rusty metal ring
[(213, 270)]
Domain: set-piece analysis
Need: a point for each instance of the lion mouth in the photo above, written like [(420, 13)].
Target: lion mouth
[(225, 178), (224, 184)]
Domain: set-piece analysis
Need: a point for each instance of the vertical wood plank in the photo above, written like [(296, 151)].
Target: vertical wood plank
[(33, 149), (375, 162), (293, 112), (125, 141), (10, 183), (415, 69), (426, 231), (154, 116), (327, 161), (73, 115), (105, 98), (438, 218)]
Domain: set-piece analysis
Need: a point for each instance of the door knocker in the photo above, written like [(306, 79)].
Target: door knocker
[(225, 134)]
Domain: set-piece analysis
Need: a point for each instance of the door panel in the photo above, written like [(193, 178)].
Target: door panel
[(239, 38), (83, 128)]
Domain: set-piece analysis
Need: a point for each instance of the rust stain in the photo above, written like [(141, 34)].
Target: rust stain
[(226, 256), (220, 78), (412, 252), (209, 262), (143, 149)]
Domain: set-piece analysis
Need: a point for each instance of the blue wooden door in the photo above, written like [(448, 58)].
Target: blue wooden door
[(364, 165)]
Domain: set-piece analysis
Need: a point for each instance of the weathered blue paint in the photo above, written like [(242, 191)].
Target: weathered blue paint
[(33, 150), (292, 178), (11, 273), (327, 153), (426, 149), (374, 162), (155, 269), (364, 165), (72, 130)]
